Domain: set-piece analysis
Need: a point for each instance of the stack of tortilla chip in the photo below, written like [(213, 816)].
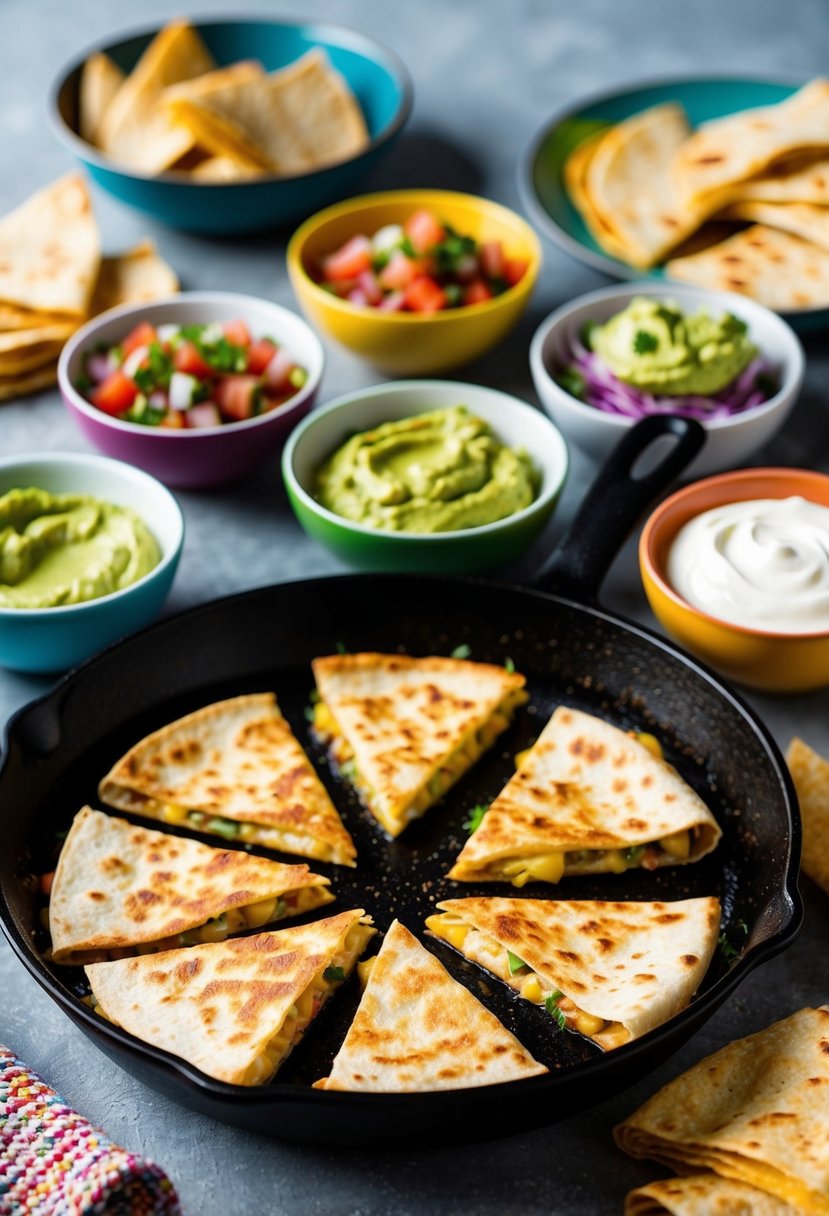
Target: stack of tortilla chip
[(178, 110), (755, 1115), (647, 184), (53, 278)]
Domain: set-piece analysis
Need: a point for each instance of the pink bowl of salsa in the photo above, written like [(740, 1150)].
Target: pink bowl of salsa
[(198, 389)]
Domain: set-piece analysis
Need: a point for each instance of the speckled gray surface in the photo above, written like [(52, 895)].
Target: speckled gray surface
[(486, 76)]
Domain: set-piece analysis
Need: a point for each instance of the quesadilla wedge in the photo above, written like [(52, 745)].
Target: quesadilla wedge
[(232, 769), (233, 1009), (404, 730), (704, 1195), (120, 890), (587, 799), (611, 971), (418, 1029)]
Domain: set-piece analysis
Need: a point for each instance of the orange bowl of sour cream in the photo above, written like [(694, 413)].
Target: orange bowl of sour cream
[(736, 568)]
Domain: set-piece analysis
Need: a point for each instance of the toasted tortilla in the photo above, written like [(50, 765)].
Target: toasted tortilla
[(27, 356), (232, 769), (588, 798), (756, 1111), (777, 269), (410, 727), (704, 1195), (101, 79), (196, 93), (627, 966), (233, 1009), (20, 385), (127, 278), (806, 220), (418, 1029), (575, 179), (799, 180), (49, 250), (222, 169), (136, 128), (119, 887), (810, 773)]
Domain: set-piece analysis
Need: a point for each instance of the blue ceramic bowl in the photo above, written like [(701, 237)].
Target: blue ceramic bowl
[(377, 77), (52, 639)]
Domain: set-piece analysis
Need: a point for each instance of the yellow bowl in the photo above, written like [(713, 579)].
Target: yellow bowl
[(775, 662), (413, 343)]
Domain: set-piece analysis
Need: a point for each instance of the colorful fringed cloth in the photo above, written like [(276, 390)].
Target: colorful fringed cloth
[(54, 1163)]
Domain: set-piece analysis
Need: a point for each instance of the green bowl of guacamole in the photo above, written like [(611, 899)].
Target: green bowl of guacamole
[(425, 475)]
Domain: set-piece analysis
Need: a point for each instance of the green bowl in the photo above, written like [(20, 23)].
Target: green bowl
[(467, 551)]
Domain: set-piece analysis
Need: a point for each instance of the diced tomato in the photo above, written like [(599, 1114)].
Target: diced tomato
[(424, 295), (237, 333), (46, 881), (514, 270), (424, 230), (174, 420), (477, 292), (350, 261), (115, 395), (399, 272), (237, 396), (187, 359), (143, 335), (260, 355), (491, 255)]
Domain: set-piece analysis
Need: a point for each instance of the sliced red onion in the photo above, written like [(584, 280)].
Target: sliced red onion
[(202, 415), (368, 285), (358, 296), (393, 302), (158, 399), (278, 371), (99, 366)]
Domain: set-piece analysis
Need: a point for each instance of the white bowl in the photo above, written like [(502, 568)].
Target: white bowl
[(730, 442)]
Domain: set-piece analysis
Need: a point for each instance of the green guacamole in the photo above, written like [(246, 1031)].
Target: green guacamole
[(660, 349), (435, 472), (58, 549)]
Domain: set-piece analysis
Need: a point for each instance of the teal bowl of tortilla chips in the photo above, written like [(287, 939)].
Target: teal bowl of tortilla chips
[(342, 106)]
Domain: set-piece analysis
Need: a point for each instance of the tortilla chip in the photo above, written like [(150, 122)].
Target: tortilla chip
[(127, 278), (100, 81), (777, 269), (26, 358), (222, 169), (138, 130), (704, 1195), (756, 1111), (49, 249), (810, 773), (30, 382), (802, 219), (13, 318)]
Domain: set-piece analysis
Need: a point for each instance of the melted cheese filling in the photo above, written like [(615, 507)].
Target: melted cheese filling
[(550, 866)]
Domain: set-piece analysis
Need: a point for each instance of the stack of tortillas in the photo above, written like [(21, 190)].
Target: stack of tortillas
[(53, 278), (650, 183), (178, 110), (748, 1127)]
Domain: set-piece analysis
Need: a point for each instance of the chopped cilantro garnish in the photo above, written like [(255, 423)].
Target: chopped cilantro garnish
[(572, 382), (551, 1005), (451, 250), (644, 343), (764, 383), (380, 261), (729, 949), (333, 975), (509, 665), (516, 964), (586, 333), (462, 652), (83, 384), (498, 285), (633, 854), (453, 293), (223, 827), (408, 248), (737, 323), (341, 649), (475, 817)]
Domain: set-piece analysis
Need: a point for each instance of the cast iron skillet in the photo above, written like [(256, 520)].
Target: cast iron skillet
[(571, 651)]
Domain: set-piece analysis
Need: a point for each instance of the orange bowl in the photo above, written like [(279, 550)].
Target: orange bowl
[(775, 662)]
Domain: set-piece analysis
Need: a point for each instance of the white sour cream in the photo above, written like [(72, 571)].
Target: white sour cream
[(763, 564)]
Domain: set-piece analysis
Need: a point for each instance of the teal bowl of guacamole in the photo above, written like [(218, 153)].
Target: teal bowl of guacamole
[(88, 552), (425, 476)]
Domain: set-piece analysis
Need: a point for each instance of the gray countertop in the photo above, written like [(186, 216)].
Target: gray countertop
[(486, 76)]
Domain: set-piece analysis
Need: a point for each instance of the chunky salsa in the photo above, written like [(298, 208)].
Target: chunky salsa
[(424, 265), (190, 376)]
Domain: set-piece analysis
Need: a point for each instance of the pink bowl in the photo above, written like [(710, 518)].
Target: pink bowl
[(213, 456)]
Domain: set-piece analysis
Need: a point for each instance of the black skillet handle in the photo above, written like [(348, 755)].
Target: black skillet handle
[(614, 503)]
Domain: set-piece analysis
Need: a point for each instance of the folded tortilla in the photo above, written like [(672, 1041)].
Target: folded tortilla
[(120, 890), (127, 278), (803, 179), (704, 1195), (232, 769), (418, 1029), (757, 1111), (810, 773), (807, 220), (611, 971), (233, 1009), (575, 178), (588, 798), (404, 730)]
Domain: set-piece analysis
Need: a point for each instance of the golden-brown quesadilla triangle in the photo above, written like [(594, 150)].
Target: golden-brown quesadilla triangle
[(630, 964), (409, 722), (101, 79), (756, 1111), (418, 1029), (810, 773), (575, 179), (794, 181), (50, 251), (802, 219), (586, 790), (227, 1007), (237, 761), (704, 1195), (118, 886)]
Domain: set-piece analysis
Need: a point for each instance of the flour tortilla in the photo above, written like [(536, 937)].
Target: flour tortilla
[(632, 964), (26, 358), (120, 886), (773, 267), (101, 79), (585, 786), (136, 129), (704, 1195), (404, 718), (24, 383), (801, 219), (575, 179), (418, 1029), (49, 250), (756, 1111), (219, 1005), (127, 278), (239, 760), (810, 773), (797, 180)]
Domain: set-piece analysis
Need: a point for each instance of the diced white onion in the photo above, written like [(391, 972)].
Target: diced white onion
[(166, 333), (134, 360), (182, 388), (387, 238)]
